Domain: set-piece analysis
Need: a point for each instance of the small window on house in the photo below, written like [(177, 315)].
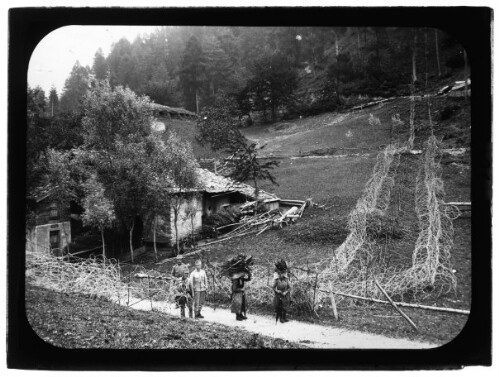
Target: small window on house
[(54, 213)]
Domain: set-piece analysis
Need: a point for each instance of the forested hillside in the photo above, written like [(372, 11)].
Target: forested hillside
[(278, 71)]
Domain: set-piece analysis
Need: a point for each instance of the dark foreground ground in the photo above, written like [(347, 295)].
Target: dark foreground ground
[(77, 321)]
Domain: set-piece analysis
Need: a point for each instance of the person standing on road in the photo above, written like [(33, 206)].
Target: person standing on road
[(180, 269), (183, 296), (282, 289), (199, 285), (238, 297)]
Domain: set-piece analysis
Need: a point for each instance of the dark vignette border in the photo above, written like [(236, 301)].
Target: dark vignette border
[(470, 25)]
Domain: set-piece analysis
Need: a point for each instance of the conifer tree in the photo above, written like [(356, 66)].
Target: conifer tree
[(53, 101), (75, 88), (193, 73), (100, 67)]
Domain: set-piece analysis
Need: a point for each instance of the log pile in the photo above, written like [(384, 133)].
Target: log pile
[(457, 89), (373, 103), (261, 222)]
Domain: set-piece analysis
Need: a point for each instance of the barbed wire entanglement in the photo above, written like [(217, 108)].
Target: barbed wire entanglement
[(122, 284), (371, 205), (400, 231), (431, 259)]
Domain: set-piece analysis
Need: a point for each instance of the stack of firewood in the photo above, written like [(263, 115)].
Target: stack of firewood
[(239, 264)]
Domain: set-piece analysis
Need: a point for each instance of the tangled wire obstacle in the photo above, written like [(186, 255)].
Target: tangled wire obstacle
[(400, 210)]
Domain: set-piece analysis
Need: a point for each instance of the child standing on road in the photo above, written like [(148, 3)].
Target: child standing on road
[(199, 285), (184, 295)]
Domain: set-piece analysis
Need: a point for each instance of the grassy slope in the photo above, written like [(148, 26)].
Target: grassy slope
[(77, 321), (330, 130), (338, 182)]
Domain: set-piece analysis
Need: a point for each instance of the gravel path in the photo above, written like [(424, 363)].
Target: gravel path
[(311, 335)]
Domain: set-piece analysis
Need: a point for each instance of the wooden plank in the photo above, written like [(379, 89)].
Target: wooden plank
[(404, 304)]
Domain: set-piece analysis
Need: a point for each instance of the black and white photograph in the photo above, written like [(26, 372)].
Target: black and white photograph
[(220, 187)]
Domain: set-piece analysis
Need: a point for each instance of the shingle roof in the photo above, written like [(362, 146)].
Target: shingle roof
[(169, 109), (214, 183)]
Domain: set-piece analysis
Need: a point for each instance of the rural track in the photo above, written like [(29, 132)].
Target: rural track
[(307, 334)]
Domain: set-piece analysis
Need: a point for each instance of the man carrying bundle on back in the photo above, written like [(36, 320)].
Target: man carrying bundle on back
[(238, 270)]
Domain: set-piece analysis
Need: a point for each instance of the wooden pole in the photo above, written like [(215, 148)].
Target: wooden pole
[(149, 290), (333, 302), (404, 304), (437, 52), (395, 306)]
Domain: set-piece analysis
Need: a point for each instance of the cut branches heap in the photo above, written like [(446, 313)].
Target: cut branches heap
[(238, 264)]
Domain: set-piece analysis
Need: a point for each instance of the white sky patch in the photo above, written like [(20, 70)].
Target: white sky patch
[(55, 55)]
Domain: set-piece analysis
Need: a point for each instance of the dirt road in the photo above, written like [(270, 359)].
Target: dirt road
[(315, 336)]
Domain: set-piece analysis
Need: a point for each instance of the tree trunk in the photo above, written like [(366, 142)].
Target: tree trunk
[(257, 194), (337, 49), (154, 237), (414, 44), (426, 73), (337, 53), (378, 55), (359, 50), (192, 230), (197, 102), (175, 218), (103, 245), (314, 60), (131, 235), (437, 52), (465, 55)]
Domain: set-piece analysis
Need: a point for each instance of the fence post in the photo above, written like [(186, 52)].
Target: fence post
[(128, 287), (333, 302), (149, 290)]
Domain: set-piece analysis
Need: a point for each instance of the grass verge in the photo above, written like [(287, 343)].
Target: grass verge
[(77, 321)]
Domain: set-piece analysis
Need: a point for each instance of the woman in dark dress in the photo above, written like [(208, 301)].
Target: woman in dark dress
[(238, 298), (282, 289)]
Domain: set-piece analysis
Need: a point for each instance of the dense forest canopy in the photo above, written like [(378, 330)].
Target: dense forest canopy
[(270, 69)]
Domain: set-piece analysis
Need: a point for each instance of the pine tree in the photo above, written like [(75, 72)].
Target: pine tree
[(193, 73), (53, 101), (219, 67), (273, 82), (75, 88), (121, 64), (100, 67)]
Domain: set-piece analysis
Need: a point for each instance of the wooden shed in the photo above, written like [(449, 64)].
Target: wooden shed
[(193, 205)]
